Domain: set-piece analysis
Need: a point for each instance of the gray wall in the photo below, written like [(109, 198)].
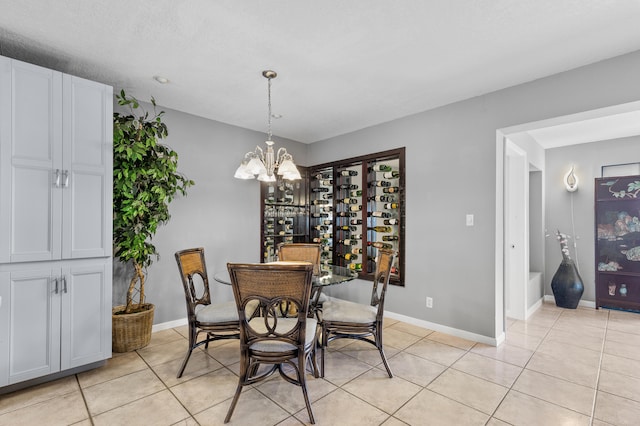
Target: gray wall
[(450, 171), (588, 159)]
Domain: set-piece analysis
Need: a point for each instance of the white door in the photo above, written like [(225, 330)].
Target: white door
[(31, 162), (87, 168), (516, 225), (86, 314), (34, 323)]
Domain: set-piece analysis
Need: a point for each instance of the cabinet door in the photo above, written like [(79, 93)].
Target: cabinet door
[(31, 162), (34, 323), (86, 314)]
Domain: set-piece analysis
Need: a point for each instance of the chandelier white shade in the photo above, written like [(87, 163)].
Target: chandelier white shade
[(265, 165)]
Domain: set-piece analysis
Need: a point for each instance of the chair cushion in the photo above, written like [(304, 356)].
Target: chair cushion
[(345, 311), (323, 298), (284, 324), (222, 312)]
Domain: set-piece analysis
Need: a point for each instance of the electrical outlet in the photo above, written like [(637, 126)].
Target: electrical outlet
[(429, 302)]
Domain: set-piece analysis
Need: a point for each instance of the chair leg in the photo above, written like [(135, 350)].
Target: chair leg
[(378, 336), (303, 385), (192, 340), (233, 403), (323, 346)]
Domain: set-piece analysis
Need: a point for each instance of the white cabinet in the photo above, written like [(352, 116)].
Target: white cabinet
[(57, 316), (56, 138), (56, 165)]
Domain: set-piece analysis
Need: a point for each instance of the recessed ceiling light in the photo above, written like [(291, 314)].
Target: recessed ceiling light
[(160, 79)]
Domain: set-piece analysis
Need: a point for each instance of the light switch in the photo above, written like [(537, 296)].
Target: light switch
[(469, 220)]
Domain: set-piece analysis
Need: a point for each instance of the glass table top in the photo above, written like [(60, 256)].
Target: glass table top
[(329, 275)]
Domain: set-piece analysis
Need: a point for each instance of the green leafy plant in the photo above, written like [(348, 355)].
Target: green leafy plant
[(145, 181)]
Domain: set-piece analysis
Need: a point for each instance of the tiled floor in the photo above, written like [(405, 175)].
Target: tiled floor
[(560, 367)]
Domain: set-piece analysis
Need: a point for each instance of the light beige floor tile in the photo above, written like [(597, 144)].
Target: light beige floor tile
[(206, 391), (431, 408), (495, 371), (582, 317), (622, 337), (522, 340), (386, 394), (630, 367), (524, 410), (119, 366), (159, 354), (368, 353), (388, 322), (569, 369), (159, 409), (585, 337), (411, 329), (114, 393), (61, 410), (289, 396), (557, 391), (505, 352), (622, 349), (626, 322), (615, 410), (529, 329), (398, 339), (341, 368), (545, 318), (253, 409), (415, 369), (447, 339), (469, 390), (190, 421), (620, 385), (291, 421), (199, 363), (226, 352), (509, 322), (341, 408), (165, 336), (495, 422), (436, 352), (36, 394), (85, 422)]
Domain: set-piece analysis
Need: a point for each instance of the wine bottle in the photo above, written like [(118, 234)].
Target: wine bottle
[(317, 202), (327, 196), (355, 221), (356, 250), (389, 238), (391, 175), (326, 208), (382, 198), (380, 168), (378, 244), (355, 266), (383, 183), (320, 240), (349, 173), (347, 228), (325, 236), (326, 182), (319, 215), (347, 186), (346, 242), (321, 227), (347, 256), (356, 236), (327, 222), (391, 189), (355, 207), (391, 221), (380, 228), (323, 176), (348, 201), (320, 189), (379, 214), (390, 206), (357, 193)]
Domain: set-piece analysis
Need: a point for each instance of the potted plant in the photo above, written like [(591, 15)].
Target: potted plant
[(145, 181)]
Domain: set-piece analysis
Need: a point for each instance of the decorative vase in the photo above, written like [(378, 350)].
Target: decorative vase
[(567, 285)]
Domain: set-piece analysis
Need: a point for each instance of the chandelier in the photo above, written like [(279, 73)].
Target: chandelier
[(265, 165)]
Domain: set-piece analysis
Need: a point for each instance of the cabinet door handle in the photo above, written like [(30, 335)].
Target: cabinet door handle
[(65, 174), (55, 288), (57, 183), (64, 284)]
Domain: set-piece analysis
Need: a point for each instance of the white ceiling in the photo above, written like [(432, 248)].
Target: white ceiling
[(342, 65)]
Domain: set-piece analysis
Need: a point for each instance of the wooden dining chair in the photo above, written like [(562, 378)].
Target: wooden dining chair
[(272, 339), (218, 321), (304, 252), (342, 319)]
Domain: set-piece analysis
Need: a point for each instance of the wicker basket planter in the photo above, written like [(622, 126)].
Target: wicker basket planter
[(131, 331)]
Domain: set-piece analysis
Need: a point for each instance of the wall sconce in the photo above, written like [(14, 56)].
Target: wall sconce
[(571, 180)]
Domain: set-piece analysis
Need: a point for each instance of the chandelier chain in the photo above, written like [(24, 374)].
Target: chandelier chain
[(269, 103)]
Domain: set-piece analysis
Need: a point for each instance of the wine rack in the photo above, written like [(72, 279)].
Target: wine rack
[(350, 207)]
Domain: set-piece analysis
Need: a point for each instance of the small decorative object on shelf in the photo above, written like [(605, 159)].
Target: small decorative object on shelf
[(566, 284)]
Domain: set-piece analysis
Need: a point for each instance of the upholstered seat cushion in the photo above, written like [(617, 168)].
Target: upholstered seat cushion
[(222, 312), (345, 311), (284, 325)]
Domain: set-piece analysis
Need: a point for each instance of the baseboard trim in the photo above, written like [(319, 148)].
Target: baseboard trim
[(582, 303)]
